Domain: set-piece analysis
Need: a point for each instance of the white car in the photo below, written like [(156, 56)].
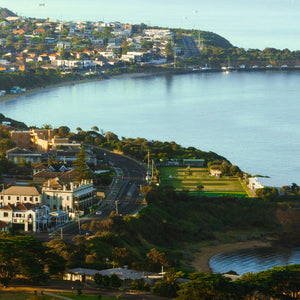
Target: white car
[(99, 212)]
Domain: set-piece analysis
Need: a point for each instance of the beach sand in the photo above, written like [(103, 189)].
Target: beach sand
[(201, 261)]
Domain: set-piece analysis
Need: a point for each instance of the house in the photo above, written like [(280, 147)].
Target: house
[(194, 162), (4, 226), (44, 175), (37, 167), (23, 155), (38, 31), (21, 194), (126, 275), (21, 138), (60, 167), (71, 155), (44, 58), (215, 172), (260, 182), (63, 45), (29, 217)]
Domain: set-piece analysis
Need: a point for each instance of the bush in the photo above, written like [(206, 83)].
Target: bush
[(115, 281)]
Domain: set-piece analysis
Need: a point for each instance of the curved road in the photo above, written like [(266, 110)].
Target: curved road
[(128, 192)]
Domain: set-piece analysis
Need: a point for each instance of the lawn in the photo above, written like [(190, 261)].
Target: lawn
[(191, 179), (24, 296), (84, 296)]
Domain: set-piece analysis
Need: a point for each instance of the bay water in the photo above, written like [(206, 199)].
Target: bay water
[(251, 118)]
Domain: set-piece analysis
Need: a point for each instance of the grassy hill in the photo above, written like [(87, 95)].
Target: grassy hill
[(175, 223), (215, 40), (4, 13)]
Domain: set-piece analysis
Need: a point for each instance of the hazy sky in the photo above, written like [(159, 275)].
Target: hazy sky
[(248, 24)]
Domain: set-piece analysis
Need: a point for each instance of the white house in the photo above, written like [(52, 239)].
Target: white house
[(29, 217)]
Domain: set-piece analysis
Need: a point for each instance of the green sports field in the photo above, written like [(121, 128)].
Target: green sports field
[(191, 178)]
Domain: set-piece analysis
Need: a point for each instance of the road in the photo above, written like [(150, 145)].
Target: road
[(190, 47), (125, 191), (128, 190)]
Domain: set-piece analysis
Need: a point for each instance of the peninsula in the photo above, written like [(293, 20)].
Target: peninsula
[(36, 53)]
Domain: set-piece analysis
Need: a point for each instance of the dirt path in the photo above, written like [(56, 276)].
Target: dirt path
[(201, 262)]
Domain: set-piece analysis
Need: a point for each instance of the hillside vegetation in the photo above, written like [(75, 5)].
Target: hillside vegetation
[(171, 222), (4, 13)]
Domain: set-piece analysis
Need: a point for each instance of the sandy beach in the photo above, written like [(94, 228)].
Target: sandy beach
[(201, 261)]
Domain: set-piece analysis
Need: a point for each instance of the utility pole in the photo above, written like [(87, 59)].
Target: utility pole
[(79, 227), (117, 210), (61, 233)]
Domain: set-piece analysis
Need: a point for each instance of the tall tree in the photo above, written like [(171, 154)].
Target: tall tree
[(81, 170)]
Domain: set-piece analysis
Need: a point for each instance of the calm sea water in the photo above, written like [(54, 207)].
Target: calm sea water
[(250, 118), (254, 259)]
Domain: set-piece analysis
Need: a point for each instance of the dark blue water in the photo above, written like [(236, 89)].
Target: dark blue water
[(250, 118), (254, 259)]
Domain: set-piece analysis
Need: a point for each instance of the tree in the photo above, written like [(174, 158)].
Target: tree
[(115, 281), (157, 259), (98, 278), (268, 193), (95, 128), (168, 286), (63, 131), (81, 171), (27, 257), (169, 51), (207, 286)]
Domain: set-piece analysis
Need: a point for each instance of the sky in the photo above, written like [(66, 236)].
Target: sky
[(248, 24)]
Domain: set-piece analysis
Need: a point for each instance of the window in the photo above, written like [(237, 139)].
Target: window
[(31, 199), (36, 199), (8, 198), (18, 198), (5, 214), (48, 197), (25, 198), (1, 197)]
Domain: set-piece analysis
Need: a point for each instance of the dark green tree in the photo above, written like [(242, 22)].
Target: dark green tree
[(81, 170)]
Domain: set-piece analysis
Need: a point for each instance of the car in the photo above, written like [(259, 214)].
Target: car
[(99, 212)]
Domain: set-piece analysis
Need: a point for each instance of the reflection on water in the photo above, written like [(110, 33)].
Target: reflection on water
[(254, 259), (250, 118)]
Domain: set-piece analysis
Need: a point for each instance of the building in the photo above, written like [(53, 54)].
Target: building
[(4, 226), (215, 172), (29, 217), (194, 162), (23, 155), (126, 275), (21, 194), (68, 197), (44, 175)]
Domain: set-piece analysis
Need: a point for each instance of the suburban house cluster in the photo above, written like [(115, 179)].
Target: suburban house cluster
[(56, 195), (80, 45)]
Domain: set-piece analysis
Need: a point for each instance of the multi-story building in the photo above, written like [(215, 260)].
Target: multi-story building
[(29, 217), (68, 197)]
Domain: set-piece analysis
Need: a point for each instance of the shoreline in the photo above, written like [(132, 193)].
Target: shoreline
[(9, 97), (201, 260)]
